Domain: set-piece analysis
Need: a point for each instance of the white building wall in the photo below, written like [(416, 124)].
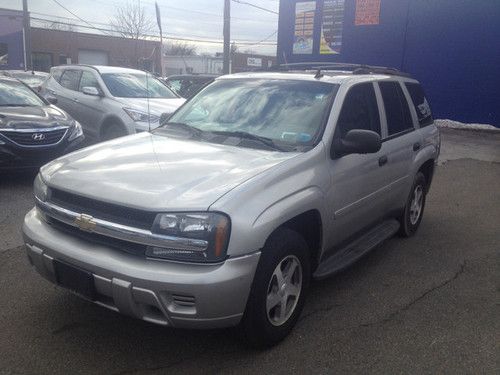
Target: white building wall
[(191, 64)]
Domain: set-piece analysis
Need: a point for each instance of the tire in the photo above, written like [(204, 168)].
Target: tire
[(414, 209), (111, 131), (264, 327)]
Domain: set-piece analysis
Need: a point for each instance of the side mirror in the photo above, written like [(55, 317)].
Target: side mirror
[(90, 90), (359, 141), (51, 99)]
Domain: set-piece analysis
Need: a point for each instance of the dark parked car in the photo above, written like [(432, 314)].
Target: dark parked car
[(32, 130), (187, 85), (31, 78)]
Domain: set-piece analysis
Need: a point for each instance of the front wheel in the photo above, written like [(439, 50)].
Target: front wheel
[(279, 289), (111, 131), (414, 209)]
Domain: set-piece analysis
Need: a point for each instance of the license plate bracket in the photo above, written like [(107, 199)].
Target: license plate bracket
[(75, 279)]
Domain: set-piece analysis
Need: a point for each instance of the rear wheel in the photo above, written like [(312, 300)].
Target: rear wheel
[(279, 289), (111, 131), (414, 209)]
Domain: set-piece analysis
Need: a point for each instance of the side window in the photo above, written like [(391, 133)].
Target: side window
[(396, 108), (420, 102), (70, 79), (360, 110), (88, 80)]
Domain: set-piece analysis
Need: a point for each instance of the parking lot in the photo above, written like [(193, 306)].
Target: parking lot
[(422, 305)]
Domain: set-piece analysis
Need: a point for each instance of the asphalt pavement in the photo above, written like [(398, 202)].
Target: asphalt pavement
[(427, 304)]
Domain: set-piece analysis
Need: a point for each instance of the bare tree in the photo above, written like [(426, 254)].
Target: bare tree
[(180, 49), (131, 21)]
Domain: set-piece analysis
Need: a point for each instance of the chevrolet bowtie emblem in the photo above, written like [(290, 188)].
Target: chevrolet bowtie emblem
[(85, 223)]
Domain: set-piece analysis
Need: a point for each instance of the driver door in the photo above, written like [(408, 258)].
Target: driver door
[(357, 194)]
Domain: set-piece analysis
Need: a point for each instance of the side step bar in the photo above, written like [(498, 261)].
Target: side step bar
[(352, 252)]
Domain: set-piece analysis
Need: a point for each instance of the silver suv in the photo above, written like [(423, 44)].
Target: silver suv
[(108, 101), (222, 215)]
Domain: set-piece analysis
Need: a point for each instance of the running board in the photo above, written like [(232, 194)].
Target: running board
[(352, 252)]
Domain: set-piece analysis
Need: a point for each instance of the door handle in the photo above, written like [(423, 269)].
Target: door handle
[(382, 160), (416, 146)]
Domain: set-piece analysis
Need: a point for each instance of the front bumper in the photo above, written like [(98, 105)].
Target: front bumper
[(167, 293), (14, 156)]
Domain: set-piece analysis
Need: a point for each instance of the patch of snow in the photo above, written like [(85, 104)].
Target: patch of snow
[(451, 124)]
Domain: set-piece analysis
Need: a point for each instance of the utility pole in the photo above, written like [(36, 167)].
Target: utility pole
[(26, 37), (227, 37)]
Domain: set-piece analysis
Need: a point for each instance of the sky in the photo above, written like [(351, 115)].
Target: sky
[(191, 19)]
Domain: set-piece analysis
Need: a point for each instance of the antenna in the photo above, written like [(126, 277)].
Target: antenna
[(147, 98)]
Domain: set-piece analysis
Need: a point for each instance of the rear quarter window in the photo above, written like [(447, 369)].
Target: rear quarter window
[(421, 104), (396, 108)]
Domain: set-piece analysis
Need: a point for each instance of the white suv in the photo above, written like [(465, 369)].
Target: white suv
[(222, 215), (109, 101)]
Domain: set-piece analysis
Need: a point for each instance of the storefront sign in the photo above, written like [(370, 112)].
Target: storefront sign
[(332, 26), (367, 12), (254, 61), (304, 27)]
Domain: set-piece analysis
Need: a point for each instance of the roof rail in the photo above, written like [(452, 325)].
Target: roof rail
[(354, 68)]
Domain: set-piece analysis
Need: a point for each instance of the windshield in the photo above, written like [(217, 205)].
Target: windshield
[(135, 85), (16, 94), (285, 111)]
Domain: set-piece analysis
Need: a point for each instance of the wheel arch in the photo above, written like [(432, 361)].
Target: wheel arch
[(111, 119)]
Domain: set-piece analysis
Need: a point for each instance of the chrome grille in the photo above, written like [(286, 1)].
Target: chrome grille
[(35, 137)]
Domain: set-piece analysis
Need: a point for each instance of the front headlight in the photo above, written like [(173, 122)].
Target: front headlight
[(76, 131), (40, 189), (139, 116), (214, 228)]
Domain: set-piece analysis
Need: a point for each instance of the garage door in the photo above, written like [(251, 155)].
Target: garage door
[(91, 57)]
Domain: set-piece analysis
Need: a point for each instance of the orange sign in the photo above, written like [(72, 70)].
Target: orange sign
[(367, 12)]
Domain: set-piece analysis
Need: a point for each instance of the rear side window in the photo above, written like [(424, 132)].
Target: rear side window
[(70, 79), (360, 110), (396, 108), (419, 100)]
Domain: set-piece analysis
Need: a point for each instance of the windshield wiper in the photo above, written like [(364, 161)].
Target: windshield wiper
[(244, 135), (15, 105), (191, 129)]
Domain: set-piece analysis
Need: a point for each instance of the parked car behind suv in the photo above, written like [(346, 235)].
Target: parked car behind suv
[(32, 78), (32, 131), (108, 101), (188, 85), (222, 215)]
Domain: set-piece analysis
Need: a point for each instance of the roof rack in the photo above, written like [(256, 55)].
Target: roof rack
[(354, 68)]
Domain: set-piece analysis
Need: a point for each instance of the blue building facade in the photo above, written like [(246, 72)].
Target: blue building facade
[(11, 39), (451, 46)]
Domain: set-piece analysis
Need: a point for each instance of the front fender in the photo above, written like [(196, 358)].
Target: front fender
[(253, 236)]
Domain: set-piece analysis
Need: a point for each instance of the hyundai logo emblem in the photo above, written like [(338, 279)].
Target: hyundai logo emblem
[(38, 136)]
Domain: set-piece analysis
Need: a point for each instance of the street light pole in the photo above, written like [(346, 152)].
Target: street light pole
[(226, 67), (27, 36)]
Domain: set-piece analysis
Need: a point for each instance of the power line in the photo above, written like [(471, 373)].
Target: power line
[(171, 37), (69, 11), (255, 6)]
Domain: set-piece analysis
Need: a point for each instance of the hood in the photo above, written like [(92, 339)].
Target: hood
[(33, 117), (157, 106), (158, 173)]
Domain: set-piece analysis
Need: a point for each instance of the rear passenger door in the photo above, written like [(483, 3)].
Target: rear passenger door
[(69, 81), (400, 143)]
